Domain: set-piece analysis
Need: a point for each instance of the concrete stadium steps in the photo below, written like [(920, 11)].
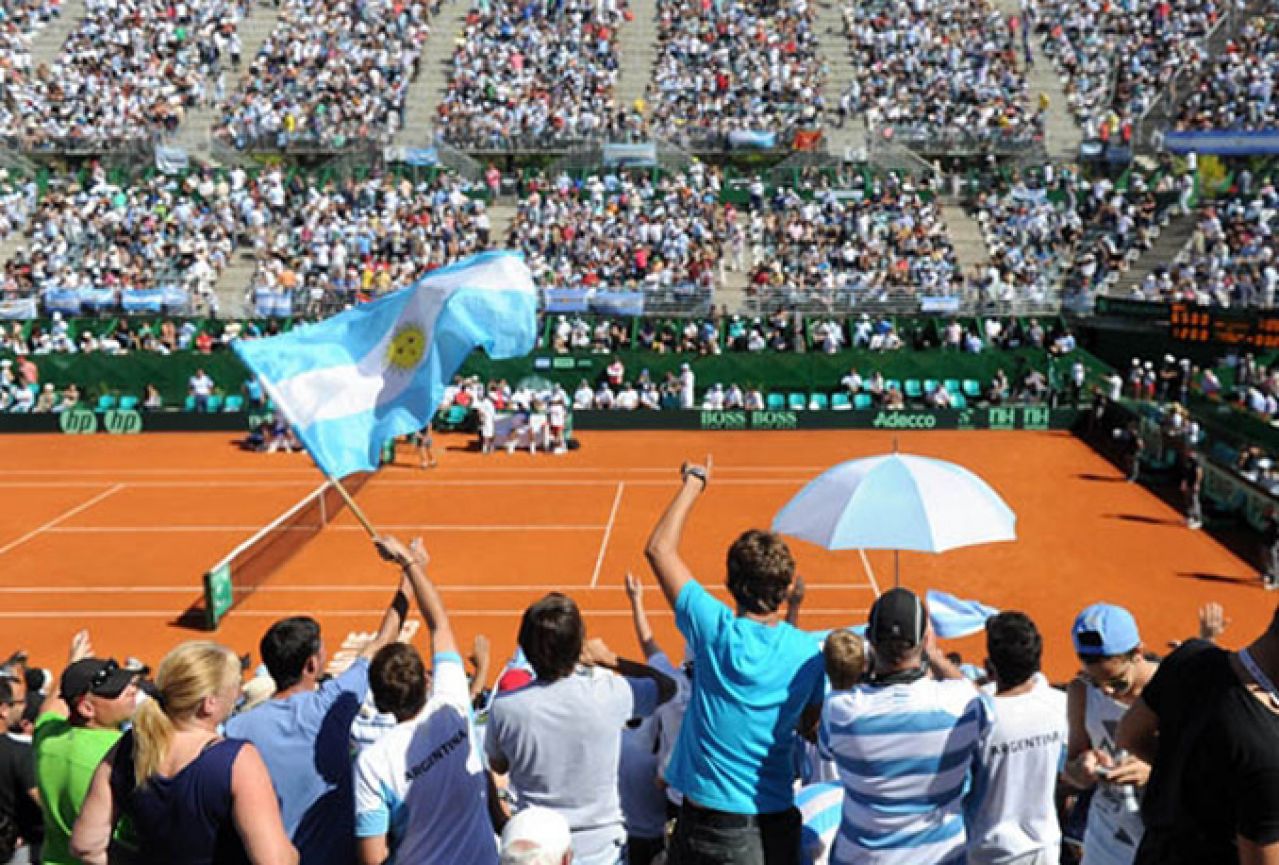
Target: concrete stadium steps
[(232, 286), (1173, 238), (637, 45), (1062, 135), (501, 217), (965, 235), (426, 93), (837, 56), (47, 44)]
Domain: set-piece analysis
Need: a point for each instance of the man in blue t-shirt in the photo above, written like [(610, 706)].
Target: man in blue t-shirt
[(303, 732), (754, 676)]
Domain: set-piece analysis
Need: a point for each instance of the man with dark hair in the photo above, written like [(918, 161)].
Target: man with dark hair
[(756, 674), (303, 732), (1209, 724), (420, 789), (79, 722), (903, 744), (1015, 818), (559, 737), (18, 795)]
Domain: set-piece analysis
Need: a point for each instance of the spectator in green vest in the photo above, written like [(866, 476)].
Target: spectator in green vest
[(78, 723)]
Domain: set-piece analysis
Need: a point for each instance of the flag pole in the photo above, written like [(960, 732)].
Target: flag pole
[(350, 503)]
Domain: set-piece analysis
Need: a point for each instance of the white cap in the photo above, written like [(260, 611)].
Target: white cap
[(537, 836)]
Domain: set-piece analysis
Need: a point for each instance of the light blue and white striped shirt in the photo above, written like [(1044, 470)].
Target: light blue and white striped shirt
[(904, 754)]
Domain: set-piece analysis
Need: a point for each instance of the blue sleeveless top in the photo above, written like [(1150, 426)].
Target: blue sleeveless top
[(186, 819)]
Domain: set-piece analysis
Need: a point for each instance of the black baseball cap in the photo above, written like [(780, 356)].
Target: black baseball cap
[(102, 677), (898, 614)]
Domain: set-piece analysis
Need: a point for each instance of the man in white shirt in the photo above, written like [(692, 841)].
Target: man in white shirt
[(1014, 819), (201, 387), (486, 414), (420, 790)]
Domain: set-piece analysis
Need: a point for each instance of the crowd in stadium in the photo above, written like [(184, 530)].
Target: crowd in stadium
[(328, 245), (1236, 88), (737, 66), (940, 69), (628, 231), (759, 742), (331, 73), (883, 240), (131, 67), (533, 74), (1119, 58), (1230, 261)]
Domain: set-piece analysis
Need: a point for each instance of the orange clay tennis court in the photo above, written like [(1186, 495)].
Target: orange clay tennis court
[(114, 533)]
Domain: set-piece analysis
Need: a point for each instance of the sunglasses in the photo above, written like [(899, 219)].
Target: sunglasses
[(100, 678)]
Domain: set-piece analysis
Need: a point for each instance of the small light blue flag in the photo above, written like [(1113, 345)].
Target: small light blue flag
[(955, 617), (350, 383)]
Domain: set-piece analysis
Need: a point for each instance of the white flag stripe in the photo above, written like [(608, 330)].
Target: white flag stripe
[(342, 391)]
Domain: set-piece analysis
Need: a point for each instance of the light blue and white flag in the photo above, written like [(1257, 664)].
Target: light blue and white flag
[(953, 617), (350, 383)]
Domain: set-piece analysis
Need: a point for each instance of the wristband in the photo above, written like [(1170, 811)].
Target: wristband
[(694, 471), (400, 604)]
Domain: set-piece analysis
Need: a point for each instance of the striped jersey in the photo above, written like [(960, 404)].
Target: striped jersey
[(904, 753)]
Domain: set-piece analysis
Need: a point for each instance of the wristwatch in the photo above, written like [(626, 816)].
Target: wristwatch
[(696, 472)]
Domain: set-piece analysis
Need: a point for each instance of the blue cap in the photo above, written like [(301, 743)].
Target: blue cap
[(1103, 630)]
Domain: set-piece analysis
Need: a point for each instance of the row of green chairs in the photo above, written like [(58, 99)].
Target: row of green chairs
[(818, 401)]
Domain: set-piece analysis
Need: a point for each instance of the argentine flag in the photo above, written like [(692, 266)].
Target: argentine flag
[(953, 617), (351, 382)]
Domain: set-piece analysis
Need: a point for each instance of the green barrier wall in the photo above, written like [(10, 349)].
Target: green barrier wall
[(98, 374)]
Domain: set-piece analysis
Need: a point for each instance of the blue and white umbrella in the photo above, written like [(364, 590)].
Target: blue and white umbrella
[(897, 502)]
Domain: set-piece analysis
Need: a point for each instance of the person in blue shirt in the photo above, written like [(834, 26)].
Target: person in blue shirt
[(756, 676), (303, 732)]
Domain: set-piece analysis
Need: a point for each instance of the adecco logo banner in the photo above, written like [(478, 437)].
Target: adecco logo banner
[(904, 420)]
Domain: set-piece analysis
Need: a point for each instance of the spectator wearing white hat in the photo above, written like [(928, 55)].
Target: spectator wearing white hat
[(537, 836)]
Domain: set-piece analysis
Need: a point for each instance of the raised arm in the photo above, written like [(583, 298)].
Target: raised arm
[(81, 648), (481, 659), (662, 550), (414, 559), (643, 630), (596, 653), (392, 623)]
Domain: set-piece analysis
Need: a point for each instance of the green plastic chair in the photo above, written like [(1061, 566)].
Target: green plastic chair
[(234, 403), (796, 402), (957, 400), (188, 404), (861, 401), (931, 384), (106, 402), (128, 403), (892, 384), (913, 389), (972, 388), (952, 385), (818, 402), (215, 402), (841, 402), (776, 402)]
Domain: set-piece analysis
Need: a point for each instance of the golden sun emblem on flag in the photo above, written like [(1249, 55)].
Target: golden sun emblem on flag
[(407, 347)]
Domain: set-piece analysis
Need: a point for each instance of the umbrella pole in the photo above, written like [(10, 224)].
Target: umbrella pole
[(897, 569)]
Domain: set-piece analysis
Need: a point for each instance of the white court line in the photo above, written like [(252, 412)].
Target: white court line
[(869, 572), (608, 532), (63, 516), (418, 484), (78, 530), (324, 589), (378, 611), (186, 471)]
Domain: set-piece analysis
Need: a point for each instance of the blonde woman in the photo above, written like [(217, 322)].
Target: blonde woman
[(192, 796)]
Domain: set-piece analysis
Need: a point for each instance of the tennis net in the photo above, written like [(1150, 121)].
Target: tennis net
[(253, 562)]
